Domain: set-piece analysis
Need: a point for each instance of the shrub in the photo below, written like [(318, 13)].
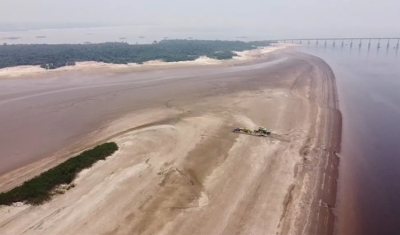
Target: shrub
[(38, 189)]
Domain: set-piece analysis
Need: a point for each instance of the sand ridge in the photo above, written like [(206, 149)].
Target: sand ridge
[(181, 170)]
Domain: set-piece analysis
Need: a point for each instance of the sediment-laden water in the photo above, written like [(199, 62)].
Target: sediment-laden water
[(369, 94)]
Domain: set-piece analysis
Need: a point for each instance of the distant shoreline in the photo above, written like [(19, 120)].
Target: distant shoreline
[(60, 55), (64, 28)]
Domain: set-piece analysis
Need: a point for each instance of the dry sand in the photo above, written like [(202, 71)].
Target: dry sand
[(181, 170)]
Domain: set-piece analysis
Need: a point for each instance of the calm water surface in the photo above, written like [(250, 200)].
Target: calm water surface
[(369, 173), (129, 34)]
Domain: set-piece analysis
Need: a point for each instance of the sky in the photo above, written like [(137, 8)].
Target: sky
[(294, 18)]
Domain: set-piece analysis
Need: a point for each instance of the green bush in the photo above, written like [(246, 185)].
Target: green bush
[(38, 189)]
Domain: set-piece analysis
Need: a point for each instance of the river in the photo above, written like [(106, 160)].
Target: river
[(130, 34), (368, 84)]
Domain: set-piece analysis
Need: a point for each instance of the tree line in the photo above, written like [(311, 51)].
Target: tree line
[(54, 56)]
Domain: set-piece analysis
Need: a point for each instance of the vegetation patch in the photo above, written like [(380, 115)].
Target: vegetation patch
[(43, 186), (55, 56)]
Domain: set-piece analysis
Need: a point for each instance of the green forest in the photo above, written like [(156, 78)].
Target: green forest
[(54, 56), (39, 189)]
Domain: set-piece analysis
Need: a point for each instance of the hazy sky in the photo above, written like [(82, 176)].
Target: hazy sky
[(283, 17)]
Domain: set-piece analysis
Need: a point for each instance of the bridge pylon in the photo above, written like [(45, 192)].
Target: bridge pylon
[(352, 42)]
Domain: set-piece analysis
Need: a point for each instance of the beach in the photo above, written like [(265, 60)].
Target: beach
[(180, 169)]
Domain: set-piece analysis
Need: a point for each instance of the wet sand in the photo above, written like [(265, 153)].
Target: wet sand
[(180, 169)]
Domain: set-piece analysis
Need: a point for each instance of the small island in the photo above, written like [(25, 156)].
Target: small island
[(55, 56)]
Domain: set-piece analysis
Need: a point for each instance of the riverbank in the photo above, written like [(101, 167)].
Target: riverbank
[(180, 169)]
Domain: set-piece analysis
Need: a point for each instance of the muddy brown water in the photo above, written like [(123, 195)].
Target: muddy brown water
[(368, 86)]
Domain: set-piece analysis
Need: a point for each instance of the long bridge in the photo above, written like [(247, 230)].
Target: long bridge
[(334, 40)]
